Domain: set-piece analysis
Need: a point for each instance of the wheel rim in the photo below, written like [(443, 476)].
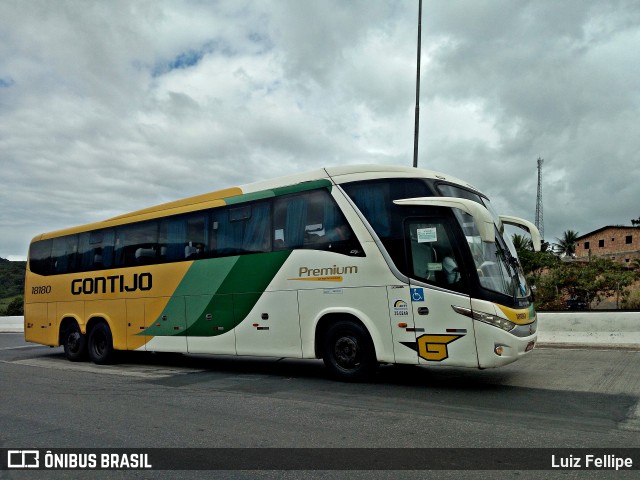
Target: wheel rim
[(346, 352)]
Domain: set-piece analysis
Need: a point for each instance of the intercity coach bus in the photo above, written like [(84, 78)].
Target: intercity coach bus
[(357, 265)]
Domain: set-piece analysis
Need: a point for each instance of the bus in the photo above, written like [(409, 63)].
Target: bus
[(354, 265)]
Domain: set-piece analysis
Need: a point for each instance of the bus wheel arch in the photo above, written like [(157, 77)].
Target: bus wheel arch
[(100, 342), (72, 340), (346, 347)]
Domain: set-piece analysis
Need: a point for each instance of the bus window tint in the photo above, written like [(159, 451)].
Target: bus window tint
[(40, 257), (308, 220), (241, 229), (64, 253), (197, 231), (183, 237), (312, 220), (374, 198), (96, 250), (137, 244)]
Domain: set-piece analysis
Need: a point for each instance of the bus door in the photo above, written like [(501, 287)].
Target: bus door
[(442, 335)]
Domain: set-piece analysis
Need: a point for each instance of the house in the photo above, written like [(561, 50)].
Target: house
[(621, 244)]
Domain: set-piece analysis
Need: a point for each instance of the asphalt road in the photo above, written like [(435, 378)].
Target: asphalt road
[(554, 398)]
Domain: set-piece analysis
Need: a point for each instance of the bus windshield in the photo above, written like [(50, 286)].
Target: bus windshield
[(497, 266), (496, 263)]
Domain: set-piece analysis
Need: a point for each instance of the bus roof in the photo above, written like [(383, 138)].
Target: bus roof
[(336, 175)]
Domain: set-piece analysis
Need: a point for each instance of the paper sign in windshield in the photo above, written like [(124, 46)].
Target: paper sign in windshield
[(427, 235)]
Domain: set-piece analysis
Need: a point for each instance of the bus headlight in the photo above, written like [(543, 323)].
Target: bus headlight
[(499, 322)]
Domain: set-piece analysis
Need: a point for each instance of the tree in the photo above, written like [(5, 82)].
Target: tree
[(589, 283), (566, 245), (521, 242), (616, 279), (635, 222), (15, 308)]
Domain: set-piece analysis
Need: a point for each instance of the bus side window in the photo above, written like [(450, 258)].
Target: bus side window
[(241, 229), (108, 245), (197, 232), (40, 257), (224, 234), (374, 198), (95, 250), (431, 253), (183, 237), (290, 217), (172, 239), (312, 220), (64, 254), (137, 244)]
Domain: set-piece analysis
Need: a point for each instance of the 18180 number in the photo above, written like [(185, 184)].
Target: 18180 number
[(41, 290)]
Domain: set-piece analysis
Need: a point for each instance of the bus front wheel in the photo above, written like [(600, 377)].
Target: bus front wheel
[(348, 352), (74, 343), (100, 344)]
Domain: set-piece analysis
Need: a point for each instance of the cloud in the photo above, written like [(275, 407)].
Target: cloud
[(106, 107), (554, 80)]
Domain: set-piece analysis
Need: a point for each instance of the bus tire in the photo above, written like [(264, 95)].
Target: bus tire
[(348, 352), (100, 344), (74, 343)]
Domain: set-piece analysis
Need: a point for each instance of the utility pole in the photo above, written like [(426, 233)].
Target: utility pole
[(539, 216), (417, 114)]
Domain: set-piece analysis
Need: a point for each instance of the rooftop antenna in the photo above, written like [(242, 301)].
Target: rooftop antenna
[(417, 115), (539, 219)]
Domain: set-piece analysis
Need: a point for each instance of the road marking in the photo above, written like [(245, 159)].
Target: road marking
[(152, 372)]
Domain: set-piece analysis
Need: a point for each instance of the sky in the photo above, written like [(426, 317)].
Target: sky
[(109, 107)]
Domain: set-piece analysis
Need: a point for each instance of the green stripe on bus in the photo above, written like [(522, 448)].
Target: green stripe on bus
[(234, 285), (297, 188)]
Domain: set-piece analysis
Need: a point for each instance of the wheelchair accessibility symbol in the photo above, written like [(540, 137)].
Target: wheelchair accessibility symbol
[(417, 294)]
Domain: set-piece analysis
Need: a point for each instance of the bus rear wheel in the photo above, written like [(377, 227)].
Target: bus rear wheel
[(348, 352), (74, 343), (100, 344)]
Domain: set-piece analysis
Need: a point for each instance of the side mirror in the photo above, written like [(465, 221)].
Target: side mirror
[(527, 226)]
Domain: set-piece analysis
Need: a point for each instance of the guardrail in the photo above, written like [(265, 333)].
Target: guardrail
[(11, 324), (594, 328)]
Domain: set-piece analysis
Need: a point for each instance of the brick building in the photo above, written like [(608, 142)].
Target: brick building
[(621, 244)]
